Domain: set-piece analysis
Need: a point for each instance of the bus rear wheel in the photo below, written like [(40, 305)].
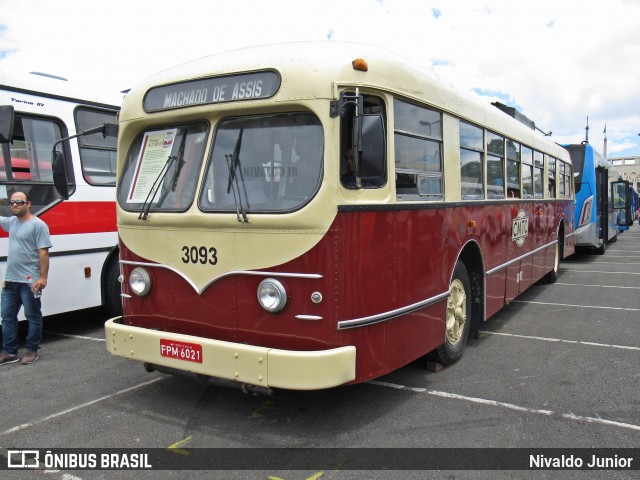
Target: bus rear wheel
[(458, 317), (552, 276)]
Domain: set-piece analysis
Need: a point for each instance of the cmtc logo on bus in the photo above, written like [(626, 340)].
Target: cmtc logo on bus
[(520, 228)]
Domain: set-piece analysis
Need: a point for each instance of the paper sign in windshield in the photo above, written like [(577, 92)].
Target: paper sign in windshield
[(154, 153)]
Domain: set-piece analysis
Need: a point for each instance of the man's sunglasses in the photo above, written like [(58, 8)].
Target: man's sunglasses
[(17, 202)]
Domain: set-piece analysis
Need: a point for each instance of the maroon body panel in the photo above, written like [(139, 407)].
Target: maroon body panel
[(373, 261)]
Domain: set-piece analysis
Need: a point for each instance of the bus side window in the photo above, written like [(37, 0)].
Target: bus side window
[(513, 169), (97, 152), (495, 165), (33, 141), (551, 169), (471, 161), (527, 172), (418, 152), (4, 161), (26, 161)]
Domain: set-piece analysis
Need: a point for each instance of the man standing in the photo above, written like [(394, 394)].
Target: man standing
[(26, 276)]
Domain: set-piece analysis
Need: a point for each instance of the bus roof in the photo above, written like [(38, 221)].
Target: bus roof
[(52, 86), (329, 63)]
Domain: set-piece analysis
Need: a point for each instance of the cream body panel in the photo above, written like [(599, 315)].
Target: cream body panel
[(261, 366)]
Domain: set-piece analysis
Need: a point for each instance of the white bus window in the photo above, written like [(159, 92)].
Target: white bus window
[(161, 169), (264, 164), (31, 148), (97, 152)]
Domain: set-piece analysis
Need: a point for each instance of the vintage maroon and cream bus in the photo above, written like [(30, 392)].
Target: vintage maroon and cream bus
[(303, 216)]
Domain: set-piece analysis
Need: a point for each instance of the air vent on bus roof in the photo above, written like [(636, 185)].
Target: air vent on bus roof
[(49, 75), (512, 112)]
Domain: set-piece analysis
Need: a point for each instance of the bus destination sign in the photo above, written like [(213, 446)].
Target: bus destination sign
[(231, 88)]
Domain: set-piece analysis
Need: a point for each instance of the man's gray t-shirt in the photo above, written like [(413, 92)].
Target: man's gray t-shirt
[(25, 239)]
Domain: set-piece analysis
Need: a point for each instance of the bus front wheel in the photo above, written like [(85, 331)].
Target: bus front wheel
[(111, 288), (458, 317)]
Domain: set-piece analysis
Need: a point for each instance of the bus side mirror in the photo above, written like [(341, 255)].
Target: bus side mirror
[(6, 123), (373, 156), (60, 174)]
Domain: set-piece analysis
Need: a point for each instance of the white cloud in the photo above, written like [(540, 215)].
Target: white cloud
[(559, 61)]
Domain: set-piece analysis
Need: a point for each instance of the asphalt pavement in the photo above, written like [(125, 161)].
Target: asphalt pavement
[(558, 368)]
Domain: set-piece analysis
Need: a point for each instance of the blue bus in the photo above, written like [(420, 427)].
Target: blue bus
[(596, 221), (625, 203), (635, 204)]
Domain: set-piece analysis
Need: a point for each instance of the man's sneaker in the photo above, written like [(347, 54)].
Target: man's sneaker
[(5, 358), (29, 357)]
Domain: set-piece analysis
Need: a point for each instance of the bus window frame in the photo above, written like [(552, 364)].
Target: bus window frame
[(82, 147), (513, 161), (419, 175), (372, 104), (538, 169), (204, 185), (551, 163), (494, 154), (123, 186), (36, 189), (529, 163)]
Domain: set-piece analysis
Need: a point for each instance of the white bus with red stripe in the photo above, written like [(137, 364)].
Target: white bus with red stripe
[(84, 258)]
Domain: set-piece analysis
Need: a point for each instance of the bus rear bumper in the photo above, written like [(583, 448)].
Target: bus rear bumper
[(245, 364)]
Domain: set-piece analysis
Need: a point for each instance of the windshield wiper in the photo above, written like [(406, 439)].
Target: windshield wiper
[(176, 172), (233, 185), (146, 206)]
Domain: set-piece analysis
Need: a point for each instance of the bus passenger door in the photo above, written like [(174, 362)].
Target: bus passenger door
[(619, 192), (602, 202)]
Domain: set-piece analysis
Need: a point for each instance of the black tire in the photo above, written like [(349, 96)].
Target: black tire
[(602, 248), (458, 317), (552, 276), (112, 289)]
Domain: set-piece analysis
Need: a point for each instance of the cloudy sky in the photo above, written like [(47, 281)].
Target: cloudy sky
[(558, 62)]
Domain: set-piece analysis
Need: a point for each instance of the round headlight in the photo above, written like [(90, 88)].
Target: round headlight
[(272, 295), (140, 282)]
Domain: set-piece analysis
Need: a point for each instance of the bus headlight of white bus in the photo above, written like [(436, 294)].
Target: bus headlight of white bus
[(140, 282), (272, 295)]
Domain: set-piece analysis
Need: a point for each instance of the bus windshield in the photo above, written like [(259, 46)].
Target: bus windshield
[(577, 153), (264, 164), (161, 170)]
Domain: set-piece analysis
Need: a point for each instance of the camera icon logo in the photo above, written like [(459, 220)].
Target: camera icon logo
[(23, 459)]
